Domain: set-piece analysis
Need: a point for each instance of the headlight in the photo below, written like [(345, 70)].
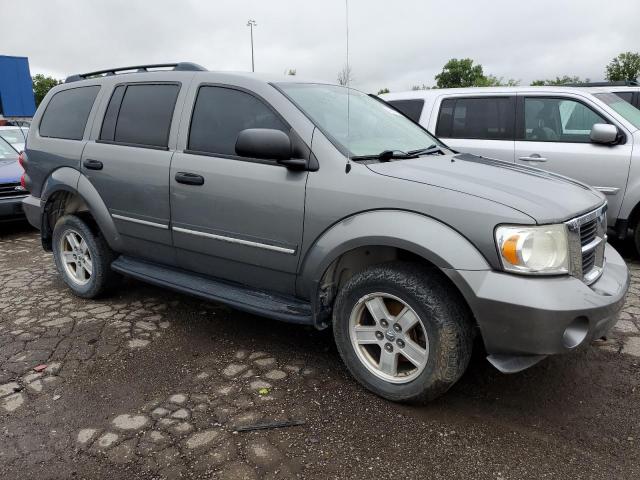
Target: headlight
[(534, 250)]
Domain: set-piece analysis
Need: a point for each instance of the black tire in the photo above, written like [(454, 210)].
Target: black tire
[(102, 278), (443, 313), (636, 237)]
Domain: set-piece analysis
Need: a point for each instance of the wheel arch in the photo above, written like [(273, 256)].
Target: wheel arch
[(67, 191), (376, 237)]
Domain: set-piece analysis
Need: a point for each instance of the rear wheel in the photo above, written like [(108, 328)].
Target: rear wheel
[(402, 331), (82, 257)]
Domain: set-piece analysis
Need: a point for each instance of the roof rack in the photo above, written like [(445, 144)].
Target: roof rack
[(620, 83), (176, 67)]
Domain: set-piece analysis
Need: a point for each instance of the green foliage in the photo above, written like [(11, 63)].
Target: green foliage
[(383, 91), (421, 87), (493, 81), (625, 66), (460, 73), (291, 71), (559, 81), (41, 85)]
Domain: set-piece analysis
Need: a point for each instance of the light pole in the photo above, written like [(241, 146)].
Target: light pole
[(251, 24)]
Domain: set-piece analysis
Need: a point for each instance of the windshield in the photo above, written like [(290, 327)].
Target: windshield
[(373, 126), (628, 111), (15, 136), (7, 151)]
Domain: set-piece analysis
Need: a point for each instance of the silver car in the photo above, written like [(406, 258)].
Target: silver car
[(588, 134)]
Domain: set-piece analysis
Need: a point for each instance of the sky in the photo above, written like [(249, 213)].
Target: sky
[(392, 44)]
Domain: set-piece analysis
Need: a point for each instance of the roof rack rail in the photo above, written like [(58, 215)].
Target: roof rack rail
[(617, 83), (176, 67)]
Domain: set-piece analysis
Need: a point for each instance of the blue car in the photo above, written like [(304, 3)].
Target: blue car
[(11, 192)]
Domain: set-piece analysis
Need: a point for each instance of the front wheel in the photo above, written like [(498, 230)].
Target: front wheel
[(402, 331)]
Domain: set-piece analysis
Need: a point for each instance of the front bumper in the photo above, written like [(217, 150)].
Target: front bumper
[(525, 317), (11, 208)]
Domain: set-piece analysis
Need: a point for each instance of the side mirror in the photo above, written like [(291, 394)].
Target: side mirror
[(264, 143), (604, 133)]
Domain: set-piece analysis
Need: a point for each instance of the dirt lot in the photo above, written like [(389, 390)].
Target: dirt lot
[(152, 384)]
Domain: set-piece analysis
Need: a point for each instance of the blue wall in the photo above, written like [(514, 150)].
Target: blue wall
[(16, 89)]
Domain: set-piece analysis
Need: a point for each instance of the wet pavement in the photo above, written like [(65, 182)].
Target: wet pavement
[(152, 384)]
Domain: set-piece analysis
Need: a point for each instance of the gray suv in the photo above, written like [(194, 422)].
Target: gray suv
[(259, 193)]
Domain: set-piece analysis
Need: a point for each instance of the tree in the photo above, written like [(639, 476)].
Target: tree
[(290, 71), (625, 66), (345, 76), (493, 81), (460, 73), (383, 91), (41, 85), (559, 81), (420, 87)]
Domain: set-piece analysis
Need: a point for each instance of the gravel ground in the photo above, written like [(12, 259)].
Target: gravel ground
[(152, 384)]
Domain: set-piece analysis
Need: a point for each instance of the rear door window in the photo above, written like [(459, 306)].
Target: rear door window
[(486, 118), (626, 96), (67, 113), (411, 108), (221, 113), (140, 115)]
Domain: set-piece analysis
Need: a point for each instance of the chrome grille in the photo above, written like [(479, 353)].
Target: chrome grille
[(11, 190), (587, 240)]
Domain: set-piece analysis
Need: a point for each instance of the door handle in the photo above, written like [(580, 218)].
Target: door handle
[(92, 164), (533, 158), (189, 178)]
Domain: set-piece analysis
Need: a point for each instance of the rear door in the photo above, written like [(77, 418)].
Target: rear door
[(482, 125), (128, 164), (241, 218), (554, 134)]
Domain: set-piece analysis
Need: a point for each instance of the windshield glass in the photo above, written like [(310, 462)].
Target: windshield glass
[(373, 126), (6, 151), (14, 135), (628, 111)]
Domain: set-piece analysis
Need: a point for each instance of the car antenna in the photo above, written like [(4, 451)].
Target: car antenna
[(347, 167)]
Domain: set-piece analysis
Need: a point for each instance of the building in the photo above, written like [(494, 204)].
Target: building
[(16, 89)]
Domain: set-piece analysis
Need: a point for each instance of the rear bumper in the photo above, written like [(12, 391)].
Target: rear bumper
[(32, 210), (523, 316), (11, 208)]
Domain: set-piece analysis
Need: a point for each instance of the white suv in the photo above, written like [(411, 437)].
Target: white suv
[(585, 133)]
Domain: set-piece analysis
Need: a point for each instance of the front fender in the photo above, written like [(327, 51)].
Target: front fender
[(424, 236), (70, 180)]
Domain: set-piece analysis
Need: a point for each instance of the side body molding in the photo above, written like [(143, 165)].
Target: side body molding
[(70, 180), (419, 234)]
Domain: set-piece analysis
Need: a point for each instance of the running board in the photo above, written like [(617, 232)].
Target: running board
[(278, 307)]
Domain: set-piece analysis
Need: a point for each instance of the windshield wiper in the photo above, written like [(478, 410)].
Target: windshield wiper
[(426, 151), (386, 155)]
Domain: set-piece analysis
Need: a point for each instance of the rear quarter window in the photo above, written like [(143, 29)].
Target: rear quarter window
[(411, 108), (67, 113)]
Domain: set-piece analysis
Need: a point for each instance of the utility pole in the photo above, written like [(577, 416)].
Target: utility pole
[(251, 24)]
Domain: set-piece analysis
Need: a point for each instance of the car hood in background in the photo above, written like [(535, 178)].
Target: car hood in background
[(545, 196), (10, 171)]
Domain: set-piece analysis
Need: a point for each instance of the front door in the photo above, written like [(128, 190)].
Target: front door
[(129, 166), (554, 135), (235, 218)]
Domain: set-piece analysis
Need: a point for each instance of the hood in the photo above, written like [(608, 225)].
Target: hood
[(10, 171), (544, 196)]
